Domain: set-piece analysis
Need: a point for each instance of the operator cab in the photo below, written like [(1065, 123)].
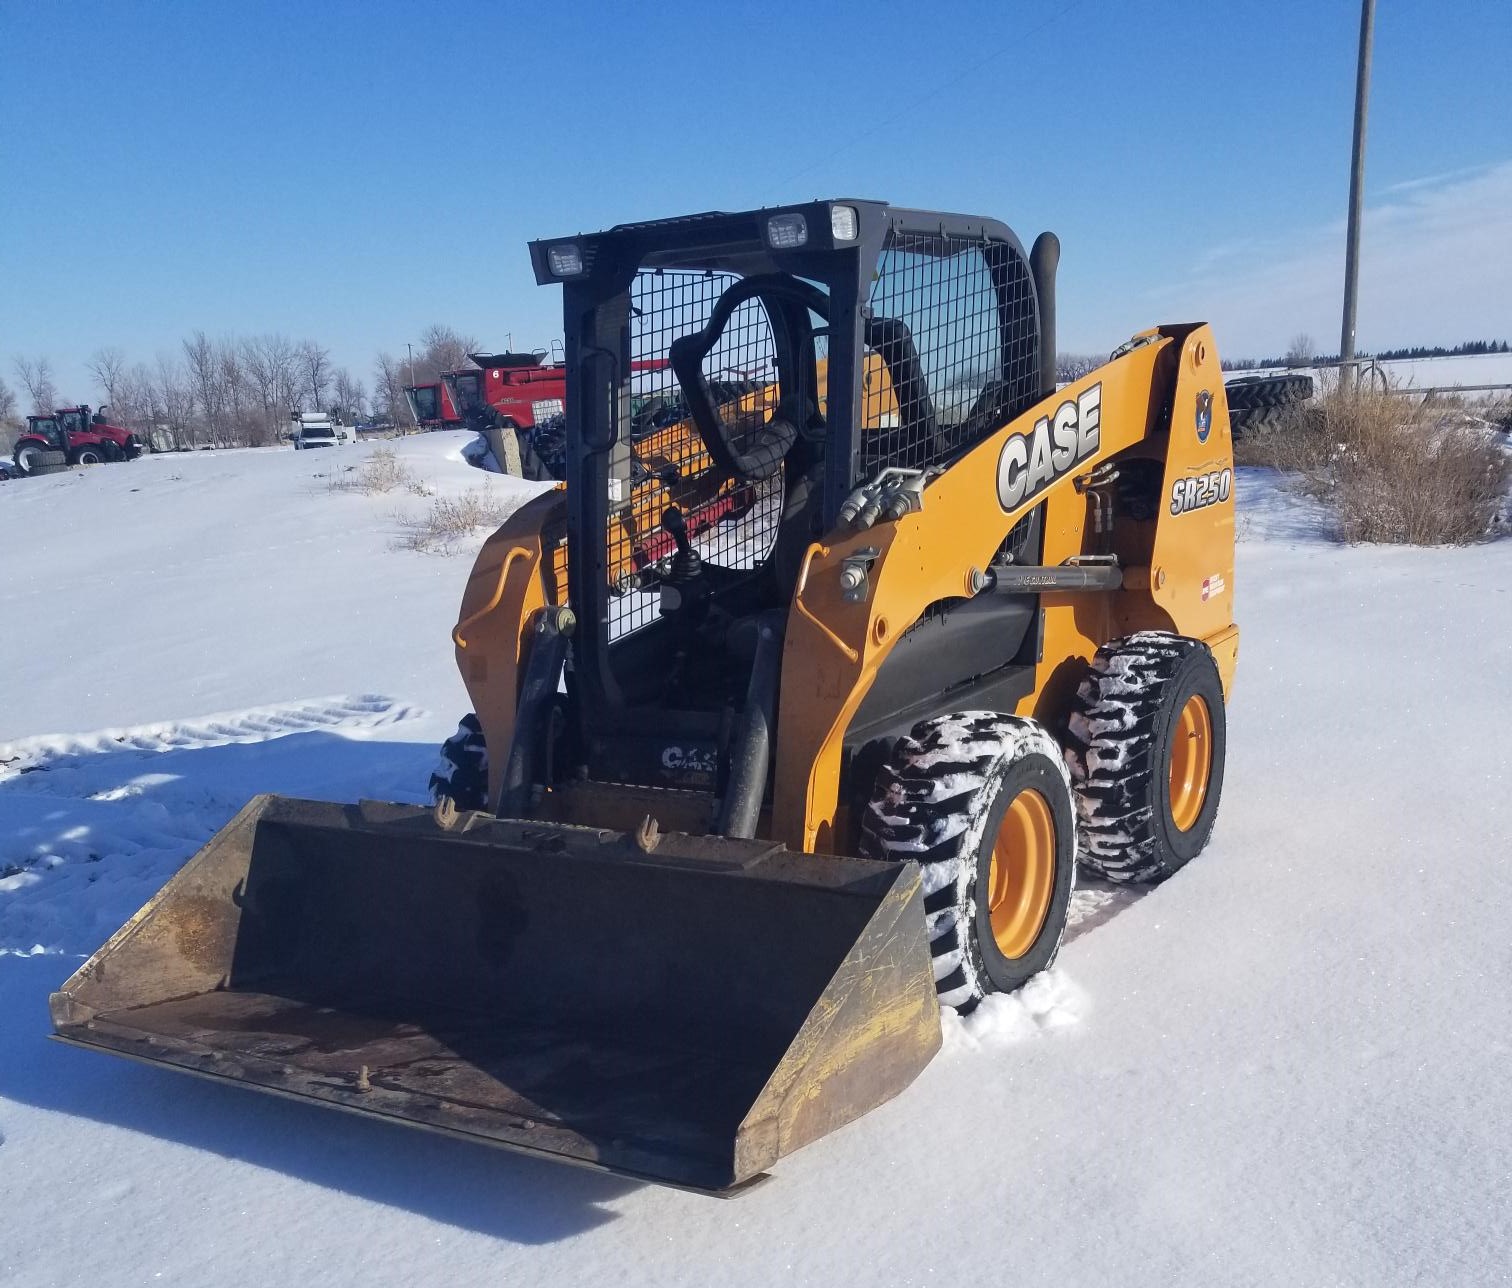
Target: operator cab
[(732, 380), (48, 428)]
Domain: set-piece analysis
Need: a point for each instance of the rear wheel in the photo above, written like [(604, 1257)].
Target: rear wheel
[(982, 802), (462, 774), (1146, 746), (89, 456)]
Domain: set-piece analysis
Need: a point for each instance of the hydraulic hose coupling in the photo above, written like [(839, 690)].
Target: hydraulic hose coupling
[(889, 496)]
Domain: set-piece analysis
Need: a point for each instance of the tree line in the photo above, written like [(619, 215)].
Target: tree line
[(232, 391), (1301, 353)]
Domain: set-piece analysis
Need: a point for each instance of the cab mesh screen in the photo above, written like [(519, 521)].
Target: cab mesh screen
[(952, 348), (731, 524)]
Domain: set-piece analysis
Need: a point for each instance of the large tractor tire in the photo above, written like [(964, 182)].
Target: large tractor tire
[(1257, 402), (982, 802), (462, 775), (90, 456), (31, 459), (1146, 747)]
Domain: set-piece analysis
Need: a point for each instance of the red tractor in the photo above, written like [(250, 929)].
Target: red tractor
[(71, 436)]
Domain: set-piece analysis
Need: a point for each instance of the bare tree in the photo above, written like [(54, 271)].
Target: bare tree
[(1073, 366), (10, 420), (390, 376), (315, 372), (442, 349), (137, 406), (108, 366), (175, 398), (1301, 351), (36, 378), (204, 374), (351, 397), (245, 429), (269, 362)]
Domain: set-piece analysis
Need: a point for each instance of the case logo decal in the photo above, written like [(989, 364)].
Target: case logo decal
[(1030, 462)]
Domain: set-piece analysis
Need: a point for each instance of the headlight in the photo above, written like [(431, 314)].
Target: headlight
[(843, 223), (565, 260), (787, 232)]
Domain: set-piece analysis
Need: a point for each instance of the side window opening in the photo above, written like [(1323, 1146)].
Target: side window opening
[(951, 348)]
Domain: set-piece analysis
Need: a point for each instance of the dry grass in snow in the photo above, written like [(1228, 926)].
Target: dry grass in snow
[(1392, 470)]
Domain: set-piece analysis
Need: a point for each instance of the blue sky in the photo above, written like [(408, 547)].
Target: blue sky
[(354, 172)]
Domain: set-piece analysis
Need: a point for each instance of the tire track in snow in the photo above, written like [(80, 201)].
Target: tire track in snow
[(91, 825), (255, 724)]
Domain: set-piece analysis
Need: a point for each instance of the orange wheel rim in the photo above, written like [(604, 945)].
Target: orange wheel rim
[(1022, 875), (1191, 762)]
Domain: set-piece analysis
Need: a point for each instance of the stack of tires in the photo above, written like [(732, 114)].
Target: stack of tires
[(1257, 403), (33, 460)]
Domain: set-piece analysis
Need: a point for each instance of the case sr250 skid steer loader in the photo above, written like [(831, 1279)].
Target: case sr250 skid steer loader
[(731, 823)]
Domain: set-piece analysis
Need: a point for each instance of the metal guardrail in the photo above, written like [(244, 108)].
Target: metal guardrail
[(1371, 371)]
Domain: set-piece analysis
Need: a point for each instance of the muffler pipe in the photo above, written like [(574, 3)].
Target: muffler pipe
[(1044, 258)]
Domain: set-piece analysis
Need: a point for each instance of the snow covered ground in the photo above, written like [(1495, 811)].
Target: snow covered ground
[(1287, 1065)]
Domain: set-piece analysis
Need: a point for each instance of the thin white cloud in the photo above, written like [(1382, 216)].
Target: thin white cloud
[(1435, 267)]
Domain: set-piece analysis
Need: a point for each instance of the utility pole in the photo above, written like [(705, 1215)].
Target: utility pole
[(410, 349), (1356, 193)]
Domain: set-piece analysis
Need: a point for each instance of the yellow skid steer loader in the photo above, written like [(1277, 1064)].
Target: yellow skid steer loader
[(729, 824)]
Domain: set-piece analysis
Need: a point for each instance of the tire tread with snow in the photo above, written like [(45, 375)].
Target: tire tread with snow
[(1118, 747), (939, 801), (462, 774), (1252, 392), (31, 459)]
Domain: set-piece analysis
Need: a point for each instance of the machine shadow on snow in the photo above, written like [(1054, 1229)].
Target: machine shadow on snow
[(457, 1183)]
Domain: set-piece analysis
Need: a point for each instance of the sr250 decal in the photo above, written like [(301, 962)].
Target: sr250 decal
[(1204, 490)]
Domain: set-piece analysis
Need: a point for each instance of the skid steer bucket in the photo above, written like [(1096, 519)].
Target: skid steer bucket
[(681, 1009)]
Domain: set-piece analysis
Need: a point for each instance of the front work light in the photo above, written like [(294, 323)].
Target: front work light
[(565, 260), (787, 232), (843, 223)]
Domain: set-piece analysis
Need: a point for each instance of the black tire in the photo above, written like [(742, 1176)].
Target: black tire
[(50, 469), (462, 775), (941, 801), (31, 459), (1125, 722), (89, 456), (1252, 392)]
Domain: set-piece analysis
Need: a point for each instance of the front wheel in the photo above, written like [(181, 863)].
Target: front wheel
[(982, 802), (462, 774), (89, 456)]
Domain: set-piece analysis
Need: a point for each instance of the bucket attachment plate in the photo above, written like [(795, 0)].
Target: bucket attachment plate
[(687, 1014)]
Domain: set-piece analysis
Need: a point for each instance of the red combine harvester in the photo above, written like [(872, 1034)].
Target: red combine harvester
[(71, 436), (432, 407), (522, 389)]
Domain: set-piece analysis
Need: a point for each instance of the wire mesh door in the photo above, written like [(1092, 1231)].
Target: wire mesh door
[(732, 524), (952, 348)]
